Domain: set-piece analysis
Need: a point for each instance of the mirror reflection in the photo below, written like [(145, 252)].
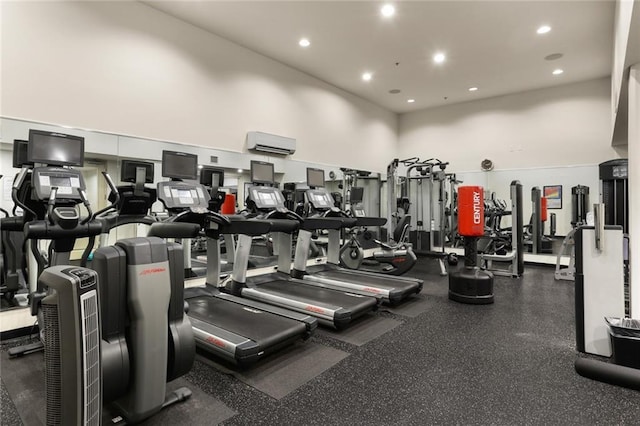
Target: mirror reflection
[(419, 199)]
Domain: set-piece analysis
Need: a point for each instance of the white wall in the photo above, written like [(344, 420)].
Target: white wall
[(565, 125), (126, 68)]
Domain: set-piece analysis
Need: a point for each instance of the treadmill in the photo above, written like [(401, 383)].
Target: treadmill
[(237, 330), (392, 289), (332, 308)]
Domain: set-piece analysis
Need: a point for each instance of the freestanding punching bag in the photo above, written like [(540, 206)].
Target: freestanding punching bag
[(471, 284)]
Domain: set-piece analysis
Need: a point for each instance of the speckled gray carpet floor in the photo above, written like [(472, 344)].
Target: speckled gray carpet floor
[(507, 363)]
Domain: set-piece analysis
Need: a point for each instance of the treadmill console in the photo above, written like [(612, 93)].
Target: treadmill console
[(181, 195), (267, 198), (68, 182), (357, 210), (320, 199)]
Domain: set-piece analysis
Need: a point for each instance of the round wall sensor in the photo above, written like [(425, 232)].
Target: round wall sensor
[(486, 165)]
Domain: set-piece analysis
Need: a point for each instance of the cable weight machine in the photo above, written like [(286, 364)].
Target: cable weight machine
[(424, 183)]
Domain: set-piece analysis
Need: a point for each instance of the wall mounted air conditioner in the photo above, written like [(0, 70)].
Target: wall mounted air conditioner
[(272, 144)]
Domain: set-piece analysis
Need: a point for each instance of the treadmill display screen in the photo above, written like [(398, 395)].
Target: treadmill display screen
[(262, 172), (356, 195), (320, 199), (179, 165), (182, 196), (267, 198), (315, 177)]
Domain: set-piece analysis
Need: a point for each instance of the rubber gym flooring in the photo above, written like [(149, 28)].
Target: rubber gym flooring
[(431, 361)]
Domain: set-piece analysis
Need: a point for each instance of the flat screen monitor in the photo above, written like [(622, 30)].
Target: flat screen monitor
[(55, 149), (356, 194), (262, 172), (212, 177), (129, 169), (20, 154), (179, 165), (315, 177)]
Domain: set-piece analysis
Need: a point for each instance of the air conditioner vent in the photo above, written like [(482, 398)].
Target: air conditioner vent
[(271, 144)]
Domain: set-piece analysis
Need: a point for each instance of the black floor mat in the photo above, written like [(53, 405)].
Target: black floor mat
[(412, 307), (283, 373), (363, 330)]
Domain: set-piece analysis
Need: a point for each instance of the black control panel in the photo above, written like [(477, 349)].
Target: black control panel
[(68, 182), (320, 199), (358, 211), (182, 195), (267, 198)]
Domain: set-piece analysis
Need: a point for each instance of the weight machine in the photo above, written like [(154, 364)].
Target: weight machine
[(424, 182), (579, 206), (515, 259)]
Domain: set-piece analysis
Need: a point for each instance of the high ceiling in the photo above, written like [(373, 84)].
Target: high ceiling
[(491, 45)]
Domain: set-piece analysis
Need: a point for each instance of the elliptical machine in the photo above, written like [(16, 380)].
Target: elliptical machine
[(12, 269), (48, 195), (115, 335)]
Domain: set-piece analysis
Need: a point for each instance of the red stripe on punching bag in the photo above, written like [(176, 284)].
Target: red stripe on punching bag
[(543, 209), (471, 211)]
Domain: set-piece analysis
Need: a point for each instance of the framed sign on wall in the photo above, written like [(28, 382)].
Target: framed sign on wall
[(553, 194)]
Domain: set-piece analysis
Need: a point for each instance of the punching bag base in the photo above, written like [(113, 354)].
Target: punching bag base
[(471, 285)]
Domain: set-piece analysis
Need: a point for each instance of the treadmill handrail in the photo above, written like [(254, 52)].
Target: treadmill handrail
[(315, 223)]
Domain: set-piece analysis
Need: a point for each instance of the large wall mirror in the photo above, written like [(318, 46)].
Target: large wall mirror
[(106, 151)]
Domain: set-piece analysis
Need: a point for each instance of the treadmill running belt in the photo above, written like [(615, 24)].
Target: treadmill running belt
[(323, 297), (262, 327), (366, 280)]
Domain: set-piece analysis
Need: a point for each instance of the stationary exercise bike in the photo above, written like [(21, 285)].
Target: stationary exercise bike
[(396, 256)]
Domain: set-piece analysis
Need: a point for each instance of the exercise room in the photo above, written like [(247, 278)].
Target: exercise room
[(319, 212)]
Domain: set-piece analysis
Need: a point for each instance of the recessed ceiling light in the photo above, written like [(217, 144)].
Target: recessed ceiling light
[(388, 10), (240, 170), (367, 76), (543, 29), (199, 166), (439, 58), (557, 72), (304, 42), (411, 100), (473, 89)]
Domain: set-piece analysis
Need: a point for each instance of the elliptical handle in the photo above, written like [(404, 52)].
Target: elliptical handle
[(51, 203), (114, 190), (87, 205), (17, 183)]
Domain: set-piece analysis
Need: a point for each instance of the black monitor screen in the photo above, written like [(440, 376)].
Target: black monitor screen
[(315, 177), (55, 149), (130, 168), (262, 172), (179, 165), (212, 177), (20, 154), (356, 195)]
